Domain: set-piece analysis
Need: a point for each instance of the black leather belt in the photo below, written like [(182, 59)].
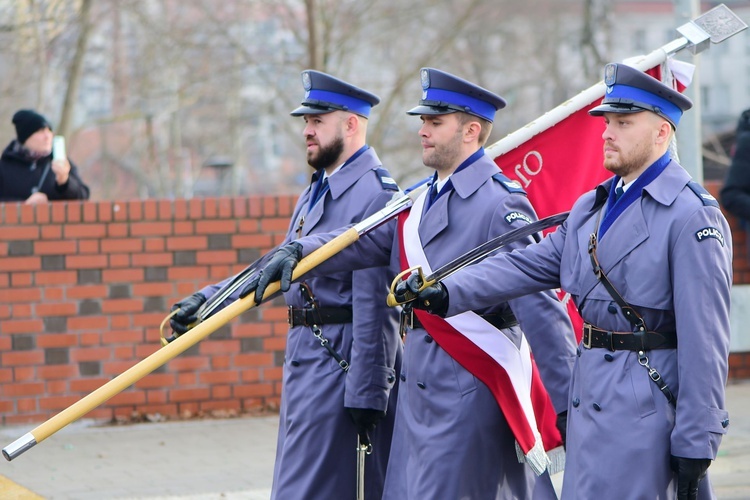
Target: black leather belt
[(594, 337), (307, 316), (499, 321)]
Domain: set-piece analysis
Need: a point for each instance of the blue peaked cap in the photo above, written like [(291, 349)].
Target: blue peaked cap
[(632, 91), (443, 93), (325, 94)]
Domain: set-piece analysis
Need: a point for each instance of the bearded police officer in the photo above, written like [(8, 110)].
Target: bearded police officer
[(453, 438), (647, 257), (342, 348)]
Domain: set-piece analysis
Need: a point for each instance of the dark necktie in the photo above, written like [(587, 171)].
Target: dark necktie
[(432, 195), (618, 193), (320, 192)]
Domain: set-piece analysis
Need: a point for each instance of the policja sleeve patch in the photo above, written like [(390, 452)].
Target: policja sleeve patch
[(709, 232), (514, 216)]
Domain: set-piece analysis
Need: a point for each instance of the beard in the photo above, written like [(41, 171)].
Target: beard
[(632, 161), (443, 155), (327, 155)]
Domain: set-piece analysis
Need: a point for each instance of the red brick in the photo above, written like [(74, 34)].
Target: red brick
[(142, 351), (110, 306), (53, 294), (55, 247), (23, 389), (25, 372), (216, 257), (239, 207), (217, 226), (57, 372), (76, 323), (148, 319), (220, 362), (274, 373), (87, 292), (20, 263), (63, 309), (222, 392), (85, 261), (176, 243), (180, 208), (250, 375), (269, 206), (151, 228), (120, 321), (163, 409), (219, 377), (87, 385), (188, 363), (122, 336), (89, 212), (41, 214), (256, 208), (187, 273), (182, 395), (121, 245), (274, 224), (274, 344), (135, 210), (123, 352), (243, 330), (118, 230), (55, 278), (251, 240), (116, 367), (21, 279), (52, 232), (130, 397), (225, 208), (252, 390), (74, 211), (119, 260), (219, 347), (82, 231), (26, 405), (254, 359), (95, 353), (47, 340), (20, 233), (249, 226), (157, 396), (20, 311), (156, 380), (88, 246), (22, 326), (152, 289), (186, 379), (12, 295), (88, 338), (184, 228), (153, 259), (166, 208), (6, 375), (149, 209)]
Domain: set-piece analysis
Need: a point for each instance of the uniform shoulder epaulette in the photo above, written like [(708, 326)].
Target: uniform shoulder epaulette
[(705, 196), (511, 185), (386, 180)]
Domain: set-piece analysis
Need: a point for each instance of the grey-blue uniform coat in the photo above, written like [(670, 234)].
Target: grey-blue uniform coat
[(669, 255), (316, 449), (451, 440)]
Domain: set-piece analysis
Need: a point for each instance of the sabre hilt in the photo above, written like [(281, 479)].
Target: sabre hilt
[(165, 322), (408, 295)]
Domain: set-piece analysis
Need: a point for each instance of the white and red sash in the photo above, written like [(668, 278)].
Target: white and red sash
[(508, 371)]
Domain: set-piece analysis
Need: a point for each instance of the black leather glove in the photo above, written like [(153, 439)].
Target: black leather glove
[(188, 306), (280, 267), (365, 420), (433, 299), (562, 425), (689, 472)]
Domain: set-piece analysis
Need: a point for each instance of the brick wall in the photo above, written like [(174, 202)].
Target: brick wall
[(84, 287)]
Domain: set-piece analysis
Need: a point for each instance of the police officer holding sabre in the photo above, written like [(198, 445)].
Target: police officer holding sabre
[(647, 257)]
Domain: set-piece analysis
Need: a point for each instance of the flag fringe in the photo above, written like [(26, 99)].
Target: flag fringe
[(536, 457)]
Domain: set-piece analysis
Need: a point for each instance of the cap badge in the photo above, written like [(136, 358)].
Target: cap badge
[(306, 81), (610, 74), (425, 77)]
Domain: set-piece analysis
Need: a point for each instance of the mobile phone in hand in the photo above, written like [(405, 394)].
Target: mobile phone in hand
[(58, 148)]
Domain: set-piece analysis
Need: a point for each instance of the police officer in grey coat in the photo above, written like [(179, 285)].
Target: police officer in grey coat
[(451, 439), (647, 257), (342, 348)]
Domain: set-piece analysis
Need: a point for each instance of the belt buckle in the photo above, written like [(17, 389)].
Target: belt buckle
[(290, 315), (587, 342)]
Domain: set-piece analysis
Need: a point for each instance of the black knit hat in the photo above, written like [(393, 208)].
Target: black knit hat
[(27, 122)]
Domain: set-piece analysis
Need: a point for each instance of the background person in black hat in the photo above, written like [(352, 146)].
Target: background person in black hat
[(28, 172), (452, 438), (646, 413), (735, 194), (333, 394)]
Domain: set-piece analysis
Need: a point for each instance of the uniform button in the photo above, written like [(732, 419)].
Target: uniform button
[(421, 385), (597, 407), (612, 308), (609, 357), (725, 423), (427, 339), (578, 352), (576, 402), (391, 379), (403, 377), (295, 363)]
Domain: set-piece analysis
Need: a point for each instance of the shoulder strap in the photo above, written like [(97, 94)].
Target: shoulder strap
[(705, 197), (386, 180), (511, 185)]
